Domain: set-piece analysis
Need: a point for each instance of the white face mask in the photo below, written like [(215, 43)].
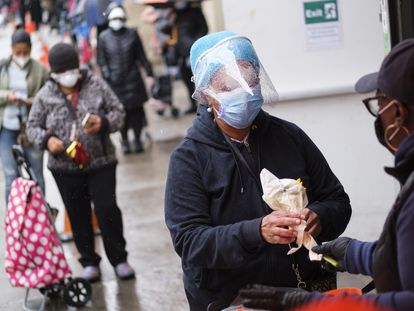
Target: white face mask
[(116, 24), (21, 61), (68, 78)]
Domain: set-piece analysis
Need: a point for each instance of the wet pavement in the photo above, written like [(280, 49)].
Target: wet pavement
[(140, 191)]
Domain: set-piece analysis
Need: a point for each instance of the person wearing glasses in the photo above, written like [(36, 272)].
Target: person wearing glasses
[(225, 234), (388, 260)]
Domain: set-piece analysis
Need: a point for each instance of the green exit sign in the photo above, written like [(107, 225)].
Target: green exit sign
[(321, 11)]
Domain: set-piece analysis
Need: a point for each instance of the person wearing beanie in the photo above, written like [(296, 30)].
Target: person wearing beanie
[(120, 56), (72, 118), (226, 235), (21, 77)]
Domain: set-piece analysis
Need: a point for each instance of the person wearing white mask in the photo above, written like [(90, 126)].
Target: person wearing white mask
[(72, 117), (21, 77), (120, 56)]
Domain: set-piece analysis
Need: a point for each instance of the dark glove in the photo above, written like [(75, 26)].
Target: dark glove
[(273, 298), (335, 249)]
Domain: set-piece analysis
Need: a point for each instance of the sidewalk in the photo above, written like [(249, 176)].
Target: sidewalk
[(140, 194)]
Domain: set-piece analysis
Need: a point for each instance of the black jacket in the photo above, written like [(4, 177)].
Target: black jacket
[(191, 25), (213, 206), (119, 55)]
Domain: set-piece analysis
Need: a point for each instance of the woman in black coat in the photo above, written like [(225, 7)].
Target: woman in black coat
[(120, 53)]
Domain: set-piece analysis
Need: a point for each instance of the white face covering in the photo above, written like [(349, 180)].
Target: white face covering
[(21, 61), (116, 24), (68, 78)]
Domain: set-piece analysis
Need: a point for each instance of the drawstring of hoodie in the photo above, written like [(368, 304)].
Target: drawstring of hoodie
[(238, 170), (227, 140)]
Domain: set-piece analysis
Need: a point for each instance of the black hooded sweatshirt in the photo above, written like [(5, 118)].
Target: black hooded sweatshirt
[(214, 206)]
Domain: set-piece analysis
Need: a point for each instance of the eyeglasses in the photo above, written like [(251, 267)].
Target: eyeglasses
[(372, 104)]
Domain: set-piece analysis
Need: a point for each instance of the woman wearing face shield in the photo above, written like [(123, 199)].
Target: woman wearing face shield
[(389, 260), (72, 117), (21, 77), (120, 55), (225, 234)]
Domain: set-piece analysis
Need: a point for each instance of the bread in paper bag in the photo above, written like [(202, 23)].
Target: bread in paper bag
[(289, 196)]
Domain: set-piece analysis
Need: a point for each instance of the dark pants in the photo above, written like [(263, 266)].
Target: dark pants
[(134, 119), (186, 75), (78, 191)]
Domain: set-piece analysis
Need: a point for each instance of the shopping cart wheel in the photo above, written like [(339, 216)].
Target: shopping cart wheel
[(52, 291), (77, 292)]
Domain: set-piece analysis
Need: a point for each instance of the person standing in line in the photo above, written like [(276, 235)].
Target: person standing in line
[(21, 77), (72, 117), (225, 234), (120, 55), (191, 25)]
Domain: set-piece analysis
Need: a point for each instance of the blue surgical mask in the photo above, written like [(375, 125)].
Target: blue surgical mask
[(239, 108)]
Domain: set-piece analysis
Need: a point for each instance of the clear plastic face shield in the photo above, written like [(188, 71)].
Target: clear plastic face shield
[(232, 67)]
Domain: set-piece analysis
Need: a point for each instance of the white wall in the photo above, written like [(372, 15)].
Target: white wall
[(338, 124), (277, 30)]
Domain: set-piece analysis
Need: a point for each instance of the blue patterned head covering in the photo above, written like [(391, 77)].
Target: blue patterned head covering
[(205, 63)]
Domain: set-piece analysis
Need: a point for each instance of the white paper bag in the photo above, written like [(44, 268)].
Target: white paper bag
[(288, 195)]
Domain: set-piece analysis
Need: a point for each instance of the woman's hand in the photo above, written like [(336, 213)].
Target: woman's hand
[(11, 97), (55, 145), (93, 125), (313, 223), (274, 227)]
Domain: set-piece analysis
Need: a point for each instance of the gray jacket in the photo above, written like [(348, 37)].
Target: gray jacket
[(52, 114), (36, 78)]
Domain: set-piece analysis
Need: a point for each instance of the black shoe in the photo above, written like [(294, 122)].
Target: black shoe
[(138, 147), (192, 110), (175, 112), (125, 148)]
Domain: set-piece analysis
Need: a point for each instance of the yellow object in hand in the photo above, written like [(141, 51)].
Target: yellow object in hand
[(71, 150), (332, 261)]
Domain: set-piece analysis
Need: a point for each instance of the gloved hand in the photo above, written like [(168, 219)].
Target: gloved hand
[(335, 249), (273, 298)]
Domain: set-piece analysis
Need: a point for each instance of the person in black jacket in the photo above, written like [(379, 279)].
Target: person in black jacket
[(120, 52), (191, 25), (225, 234)]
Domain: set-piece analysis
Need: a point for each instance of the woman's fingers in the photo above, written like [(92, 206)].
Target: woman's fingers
[(275, 227)]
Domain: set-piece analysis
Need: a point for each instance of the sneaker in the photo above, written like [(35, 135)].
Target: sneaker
[(124, 271), (175, 113), (125, 147), (138, 147), (92, 274)]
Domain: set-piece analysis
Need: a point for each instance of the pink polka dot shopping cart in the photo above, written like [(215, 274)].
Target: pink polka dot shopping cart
[(34, 254)]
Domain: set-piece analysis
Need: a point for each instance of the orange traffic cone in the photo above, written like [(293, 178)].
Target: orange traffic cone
[(44, 55), (67, 235), (30, 26)]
